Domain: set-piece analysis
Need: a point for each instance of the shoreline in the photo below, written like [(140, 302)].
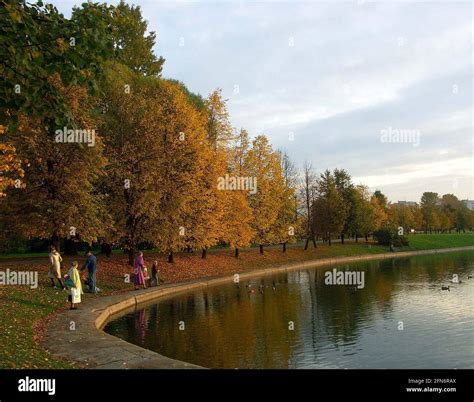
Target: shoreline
[(109, 352)]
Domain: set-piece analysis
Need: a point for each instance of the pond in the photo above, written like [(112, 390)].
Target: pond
[(399, 318)]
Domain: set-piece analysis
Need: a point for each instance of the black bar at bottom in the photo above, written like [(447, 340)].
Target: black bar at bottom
[(90, 385)]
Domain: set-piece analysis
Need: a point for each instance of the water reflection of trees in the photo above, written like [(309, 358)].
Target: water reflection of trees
[(233, 327)]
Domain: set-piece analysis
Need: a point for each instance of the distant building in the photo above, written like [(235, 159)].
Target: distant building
[(407, 203), (469, 204)]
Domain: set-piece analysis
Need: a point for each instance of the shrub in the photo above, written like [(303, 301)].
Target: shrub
[(388, 235)]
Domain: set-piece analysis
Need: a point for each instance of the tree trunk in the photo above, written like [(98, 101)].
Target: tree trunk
[(329, 238), (314, 242), (284, 247), (342, 238), (204, 253), (366, 238), (306, 244), (70, 247), (236, 253), (171, 257), (261, 248), (55, 241), (131, 255)]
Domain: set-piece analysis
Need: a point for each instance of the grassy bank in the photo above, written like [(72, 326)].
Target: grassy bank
[(427, 241), (24, 311)]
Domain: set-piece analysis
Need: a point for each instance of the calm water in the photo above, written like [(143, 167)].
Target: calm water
[(334, 326)]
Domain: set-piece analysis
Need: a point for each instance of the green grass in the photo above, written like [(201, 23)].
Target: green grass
[(430, 241), (20, 308)]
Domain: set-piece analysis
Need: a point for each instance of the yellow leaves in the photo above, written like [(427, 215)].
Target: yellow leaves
[(218, 127), (15, 16), (270, 204), (62, 175), (10, 166), (61, 44), (379, 214)]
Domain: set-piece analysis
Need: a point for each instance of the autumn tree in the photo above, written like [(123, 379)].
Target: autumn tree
[(237, 213), (194, 98), (284, 189), (263, 165), (364, 224), (417, 217), (379, 206), (157, 148), (58, 199), (218, 127), (131, 136), (204, 222), (182, 165), (237, 223), (402, 215), (11, 171)]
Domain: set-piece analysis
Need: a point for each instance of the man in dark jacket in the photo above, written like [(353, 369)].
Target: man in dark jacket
[(91, 265)]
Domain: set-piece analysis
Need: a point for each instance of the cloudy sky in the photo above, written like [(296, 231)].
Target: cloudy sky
[(382, 89)]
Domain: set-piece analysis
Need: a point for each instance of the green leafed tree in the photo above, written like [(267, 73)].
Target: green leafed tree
[(430, 204), (37, 42), (330, 210), (347, 191), (132, 43), (308, 196)]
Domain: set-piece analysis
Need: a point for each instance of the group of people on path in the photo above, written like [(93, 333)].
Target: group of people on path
[(72, 280)]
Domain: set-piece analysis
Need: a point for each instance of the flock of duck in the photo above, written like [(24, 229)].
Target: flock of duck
[(454, 280), (261, 288)]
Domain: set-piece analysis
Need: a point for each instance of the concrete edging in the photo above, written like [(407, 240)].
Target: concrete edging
[(88, 345)]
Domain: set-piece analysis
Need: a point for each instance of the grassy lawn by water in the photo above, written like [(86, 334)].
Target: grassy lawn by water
[(25, 311), (429, 241)]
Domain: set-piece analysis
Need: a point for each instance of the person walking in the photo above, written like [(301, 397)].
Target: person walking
[(55, 261), (91, 265), (139, 278), (74, 285)]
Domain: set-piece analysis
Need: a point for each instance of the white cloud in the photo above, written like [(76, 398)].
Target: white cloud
[(354, 69)]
